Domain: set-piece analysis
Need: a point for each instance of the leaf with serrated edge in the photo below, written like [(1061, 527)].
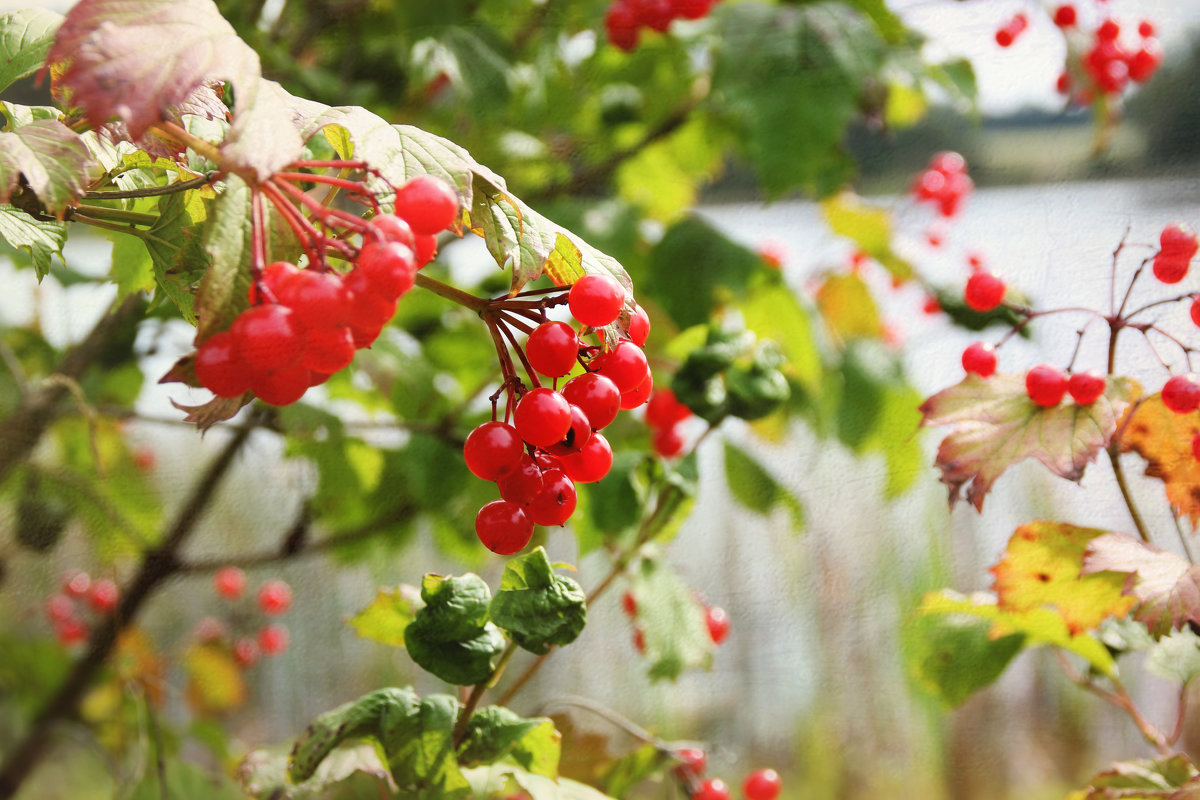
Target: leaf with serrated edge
[(1176, 656), (995, 425), (132, 59), (25, 38), (1166, 587), (261, 137), (42, 238), (385, 619), (52, 159), (1041, 567), (1164, 439), (223, 291)]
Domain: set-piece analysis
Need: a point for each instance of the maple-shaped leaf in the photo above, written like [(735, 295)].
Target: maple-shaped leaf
[(995, 425), (52, 159), (1164, 439), (1173, 778), (133, 59), (1042, 567), (1165, 587)]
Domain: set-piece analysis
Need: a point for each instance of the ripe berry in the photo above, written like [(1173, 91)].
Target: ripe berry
[(984, 291), (388, 268), (1181, 393), (1169, 268), (712, 789), (283, 386), (1145, 61), (245, 652), (692, 761), (668, 442), (218, 367), (1065, 15), (664, 410), (577, 436), (625, 365), (104, 596), (639, 326), (639, 395), (390, 228), (70, 632), (1045, 385), (553, 349), (1194, 311), (718, 624), (229, 582), (554, 503), (542, 417), (1179, 240), (267, 337), (327, 350), (428, 204), (621, 23), (654, 14), (596, 396), (60, 607), (425, 249), (270, 281), (629, 604), (591, 463), (980, 358), (762, 784), (503, 527), (492, 449), (1086, 387), (273, 639), (274, 597), (596, 300), (77, 584), (318, 299), (519, 484), (691, 9), (1108, 31)]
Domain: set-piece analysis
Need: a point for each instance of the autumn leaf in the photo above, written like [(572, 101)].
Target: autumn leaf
[(1041, 567), (215, 683), (848, 309), (1165, 587), (1164, 439), (995, 425), (52, 159)]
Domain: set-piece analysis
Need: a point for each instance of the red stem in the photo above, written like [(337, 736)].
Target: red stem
[(300, 226)]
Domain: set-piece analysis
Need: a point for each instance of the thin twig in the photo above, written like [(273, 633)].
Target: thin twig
[(153, 191)]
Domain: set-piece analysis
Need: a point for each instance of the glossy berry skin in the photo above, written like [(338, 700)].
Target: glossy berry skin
[(638, 396), (591, 463), (596, 300), (554, 503), (1181, 393), (388, 267), (1045, 385), (503, 527), (318, 299), (553, 349), (984, 291), (282, 387), (327, 350), (1194, 311), (1169, 268), (625, 365), (712, 789), (639, 326), (268, 337), (391, 228), (1065, 16), (428, 204), (218, 367), (274, 597), (979, 359), (577, 436), (669, 441), (718, 624), (229, 582), (1085, 388), (492, 449), (596, 396), (273, 639), (762, 784), (663, 409), (692, 761), (519, 484), (104, 596), (542, 417)]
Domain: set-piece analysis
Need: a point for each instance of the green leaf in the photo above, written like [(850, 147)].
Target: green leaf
[(1173, 778), (870, 227), (451, 636), (630, 770), (50, 158), (495, 732), (227, 240), (952, 656), (41, 238), (672, 621), (1176, 656), (262, 137), (132, 267), (503, 779), (420, 749), (755, 488), (264, 773), (386, 618), (371, 716), (537, 607), (772, 311), (186, 780), (25, 39)]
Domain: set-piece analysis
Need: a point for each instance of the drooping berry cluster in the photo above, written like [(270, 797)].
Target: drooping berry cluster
[(273, 599), (550, 438), (665, 415), (944, 183), (1099, 62), (625, 19), (305, 323), (1178, 245), (79, 603), (760, 784)]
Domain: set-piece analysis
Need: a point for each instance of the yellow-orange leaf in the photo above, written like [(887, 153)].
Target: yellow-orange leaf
[(1041, 567), (1164, 439), (848, 309), (215, 682)]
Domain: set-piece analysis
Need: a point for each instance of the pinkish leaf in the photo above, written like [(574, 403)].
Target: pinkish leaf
[(1167, 587), (51, 157), (995, 425)]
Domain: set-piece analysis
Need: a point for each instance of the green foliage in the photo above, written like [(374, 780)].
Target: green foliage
[(538, 608), (671, 619), (451, 635), (755, 488), (953, 656)]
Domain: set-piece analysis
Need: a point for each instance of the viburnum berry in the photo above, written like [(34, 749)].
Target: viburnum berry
[(542, 417), (691, 9), (984, 291), (391, 228), (718, 624), (639, 326), (762, 784), (663, 409), (629, 604), (318, 299), (245, 652), (596, 300), (1146, 60), (273, 639), (638, 395), (1181, 393), (283, 386), (692, 761), (327, 350), (519, 484), (1045, 385), (425, 249), (218, 367), (980, 358), (597, 396), (1065, 16), (576, 438), (654, 14), (428, 204), (274, 597), (591, 463), (621, 24), (267, 337), (389, 268), (1179, 240), (503, 527), (712, 789), (668, 441), (625, 365), (554, 503), (1086, 387), (1194, 311), (77, 583), (104, 596), (70, 631), (270, 281), (60, 607), (229, 582), (492, 449), (553, 349)]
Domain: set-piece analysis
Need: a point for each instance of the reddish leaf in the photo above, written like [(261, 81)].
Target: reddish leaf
[(1041, 567), (133, 59), (216, 410), (202, 102), (995, 425), (1164, 439), (1166, 587), (51, 157)]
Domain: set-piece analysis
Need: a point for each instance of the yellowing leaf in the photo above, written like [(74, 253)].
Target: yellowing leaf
[(870, 227), (995, 425), (385, 619), (1165, 587), (215, 682), (1041, 567), (849, 311), (1164, 439)]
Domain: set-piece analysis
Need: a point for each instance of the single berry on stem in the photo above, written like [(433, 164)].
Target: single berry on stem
[(274, 597), (596, 300), (492, 449), (984, 291), (553, 349), (427, 203), (762, 784), (104, 596), (503, 527), (229, 582), (273, 639), (591, 463), (712, 789), (718, 624), (1045, 385), (1086, 387), (980, 358), (542, 417), (1181, 393), (692, 762)]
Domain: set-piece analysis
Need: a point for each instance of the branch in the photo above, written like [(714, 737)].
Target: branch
[(153, 191)]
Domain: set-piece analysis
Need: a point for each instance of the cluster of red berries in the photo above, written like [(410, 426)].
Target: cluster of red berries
[(1178, 245), (665, 415), (715, 619), (625, 19), (761, 784), (944, 183), (553, 440), (274, 598), (304, 324), (1107, 63), (97, 598)]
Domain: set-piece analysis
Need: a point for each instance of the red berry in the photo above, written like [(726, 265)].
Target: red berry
[(1145, 60), (591, 463), (629, 604), (274, 276), (691, 9), (1179, 240), (718, 624), (426, 249), (327, 350), (1196, 446), (70, 631), (268, 337), (1086, 387), (519, 484), (318, 299), (1181, 393), (596, 300), (542, 417), (104, 596), (1004, 37), (428, 204), (712, 789), (980, 358), (1169, 268), (664, 410), (273, 639), (60, 607), (1145, 29), (282, 387), (639, 326), (274, 597), (621, 23), (218, 367), (503, 527), (388, 267), (1194, 311), (639, 395), (762, 784), (553, 349), (1065, 15), (77, 584), (654, 14), (1108, 31), (625, 365), (577, 436), (668, 442), (229, 582), (493, 449), (984, 291), (1045, 385), (692, 761), (245, 652), (596, 396), (554, 503), (390, 228)]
